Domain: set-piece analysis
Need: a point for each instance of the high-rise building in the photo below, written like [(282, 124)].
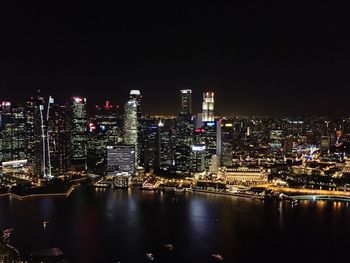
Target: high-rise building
[(136, 95), (105, 128), (131, 125), (186, 102), (166, 145), (227, 138), (198, 158), (78, 134), (276, 137), (12, 122), (183, 135), (150, 144), (208, 106), (212, 140), (31, 138), (120, 159), (58, 132)]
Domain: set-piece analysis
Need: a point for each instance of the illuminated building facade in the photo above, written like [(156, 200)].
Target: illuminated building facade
[(131, 125), (78, 134), (276, 137), (121, 160), (137, 97), (198, 158), (208, 106), (227, 137), (183, 135), (150, 144), (12, 132), (186, 102), (166, 145), (58, 130), (211, 140), (104, 129), (245, 176)]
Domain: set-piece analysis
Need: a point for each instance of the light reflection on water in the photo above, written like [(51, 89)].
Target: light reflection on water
[(99, 225)]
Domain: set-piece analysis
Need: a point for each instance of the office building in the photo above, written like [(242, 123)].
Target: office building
[(208, 106), (78, 134), (121, 160)]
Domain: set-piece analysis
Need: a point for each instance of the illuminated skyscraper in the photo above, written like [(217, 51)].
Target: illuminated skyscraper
[(78, 133), (227, 138), (131, 124), (208, 106), (186, 102), (29, 112), (13, 132), (120, 159), (184, 135), (150, 143), (136, 95), (58, 131), (166, 145), (104, 129)]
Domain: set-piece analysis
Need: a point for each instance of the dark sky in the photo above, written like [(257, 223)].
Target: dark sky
[(259, 57)]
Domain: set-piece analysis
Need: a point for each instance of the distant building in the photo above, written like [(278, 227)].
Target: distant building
[(198, 158), (227, 137), (12, 132), (137, 97), (208, 106), (78, 134), (276, 137), (150, 144), (211, 138), (131, 125), (104, 129), (166, 145), (58, 131), (121, 160), (183, 135), (186, 102), (245, 176)]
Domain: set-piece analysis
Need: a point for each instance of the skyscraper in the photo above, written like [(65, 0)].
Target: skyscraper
[(208, 106), (13, 132), (186, 102), (29, 112), (131, 124), (166, 145), (78, 133), (136, 95), (58, 132), (104, 129), (184, 134), (150, 139), (120, 159)]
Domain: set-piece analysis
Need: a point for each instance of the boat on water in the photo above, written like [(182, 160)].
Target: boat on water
[(169, 247), (150, 256), (217, 257)]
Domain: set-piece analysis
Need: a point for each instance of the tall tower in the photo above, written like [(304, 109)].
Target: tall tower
[(78, 133), (184, 134), (131, 124), (208, 106), (186, 102), (136, 95)]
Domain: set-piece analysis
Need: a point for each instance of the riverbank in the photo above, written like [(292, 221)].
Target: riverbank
[(26, 196), (245, 195)]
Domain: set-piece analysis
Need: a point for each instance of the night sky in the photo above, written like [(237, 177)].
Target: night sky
[(259, 57)]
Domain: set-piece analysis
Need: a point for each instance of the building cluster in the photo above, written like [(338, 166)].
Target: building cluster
[(54, 139)]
